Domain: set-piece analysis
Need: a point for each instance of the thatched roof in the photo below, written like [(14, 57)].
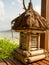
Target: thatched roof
[(29, 20)]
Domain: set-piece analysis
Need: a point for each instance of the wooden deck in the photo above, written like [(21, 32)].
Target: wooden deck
[(12, 61)]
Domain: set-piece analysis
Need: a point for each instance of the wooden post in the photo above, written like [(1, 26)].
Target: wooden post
[(28, 42), (45, 9), (45, 14), (39, 41), (42, 40)]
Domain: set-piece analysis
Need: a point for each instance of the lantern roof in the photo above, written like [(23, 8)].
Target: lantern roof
[(29, 20)]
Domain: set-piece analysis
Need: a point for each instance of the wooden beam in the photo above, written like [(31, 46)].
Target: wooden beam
[(45, 9), (33, 31), (45, 14)]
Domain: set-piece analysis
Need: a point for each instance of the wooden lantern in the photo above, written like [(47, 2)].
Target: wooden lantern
[(29, 41), (30, 25)]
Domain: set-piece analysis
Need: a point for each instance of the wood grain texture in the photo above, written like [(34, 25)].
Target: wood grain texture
[(13, 61)]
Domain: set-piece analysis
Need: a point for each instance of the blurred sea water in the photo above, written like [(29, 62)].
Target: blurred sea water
[(14, 36)]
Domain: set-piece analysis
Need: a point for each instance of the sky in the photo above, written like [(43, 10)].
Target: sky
[(10, 9)]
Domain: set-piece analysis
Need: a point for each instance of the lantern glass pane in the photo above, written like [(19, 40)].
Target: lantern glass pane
[(34, 41)]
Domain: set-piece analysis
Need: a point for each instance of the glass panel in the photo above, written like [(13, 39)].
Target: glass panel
[(34, 41)]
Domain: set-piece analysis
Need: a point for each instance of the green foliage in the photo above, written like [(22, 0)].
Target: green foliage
[(6, 48)]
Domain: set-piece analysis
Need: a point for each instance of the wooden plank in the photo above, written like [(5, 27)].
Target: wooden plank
[(46, 62), (35, 64), (16, 61), (10, 62), (5, 60), (47, 59), (2, 62), (41, 63), (13, 61)]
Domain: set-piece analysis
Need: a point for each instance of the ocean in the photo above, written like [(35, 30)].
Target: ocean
[(8, 34)]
